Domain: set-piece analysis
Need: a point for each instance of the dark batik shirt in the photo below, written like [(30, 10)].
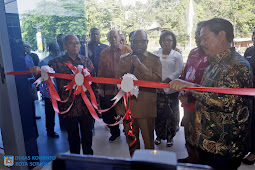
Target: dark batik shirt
[(220, 122), (250, 56), (59, 66)]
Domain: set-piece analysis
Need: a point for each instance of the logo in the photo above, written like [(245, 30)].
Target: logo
[(8, 160)]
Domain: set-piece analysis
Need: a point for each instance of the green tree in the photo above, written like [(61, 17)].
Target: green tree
[(68, 16), (52, 18), (240, 13)]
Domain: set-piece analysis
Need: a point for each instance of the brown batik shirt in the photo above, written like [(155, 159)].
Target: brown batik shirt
[(108, 66)]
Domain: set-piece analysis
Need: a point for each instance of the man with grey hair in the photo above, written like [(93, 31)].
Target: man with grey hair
[(219, 123), (107, 67)]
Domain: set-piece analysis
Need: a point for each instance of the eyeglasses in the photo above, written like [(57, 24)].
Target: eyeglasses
[(168, 41), (139, 41), (73, 43)]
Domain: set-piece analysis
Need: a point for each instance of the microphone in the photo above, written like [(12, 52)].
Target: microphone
[(132, 68)]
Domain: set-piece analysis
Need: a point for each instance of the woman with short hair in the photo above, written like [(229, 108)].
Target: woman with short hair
[(167, 100)]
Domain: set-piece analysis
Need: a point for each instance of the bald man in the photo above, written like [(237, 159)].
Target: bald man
[(145, 66), (107, 67)]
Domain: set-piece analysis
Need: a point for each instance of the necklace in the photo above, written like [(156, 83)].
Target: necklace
[(164, 56)]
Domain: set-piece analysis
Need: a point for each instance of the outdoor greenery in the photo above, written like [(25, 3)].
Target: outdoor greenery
[(67, 16)]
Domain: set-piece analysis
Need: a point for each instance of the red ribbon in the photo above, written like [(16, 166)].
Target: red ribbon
[(127, 96), (189, 106), (79, 90), (103, 80), (149, 84), (128, 117), (53, 94), (55, 97), (17, 72), (94, 104), (235, 91)]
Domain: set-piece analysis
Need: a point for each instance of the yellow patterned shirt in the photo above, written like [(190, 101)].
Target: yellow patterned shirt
[(220, 122)]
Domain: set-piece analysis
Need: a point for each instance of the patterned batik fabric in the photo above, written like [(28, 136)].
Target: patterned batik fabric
[(167, 109), (220, 122), (59, 66), (194, 69)]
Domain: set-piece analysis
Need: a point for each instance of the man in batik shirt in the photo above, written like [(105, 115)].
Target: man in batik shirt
[(219, 124), (78, 115)]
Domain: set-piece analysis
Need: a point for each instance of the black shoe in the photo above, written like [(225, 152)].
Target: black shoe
[(170, 143), (183, 160), (112, 139), (177, 128), (157, 141), (247, 162), (53, 135), (62, 128), (37, 117), (100, 115)]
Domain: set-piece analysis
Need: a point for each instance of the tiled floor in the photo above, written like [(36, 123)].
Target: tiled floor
[(48, 146), (51, 146), (101, 146)]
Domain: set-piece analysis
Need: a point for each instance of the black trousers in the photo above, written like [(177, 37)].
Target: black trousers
[(108, 117), (251, 132), (34, 120), (49, 116), (73, 130), (219, 162)]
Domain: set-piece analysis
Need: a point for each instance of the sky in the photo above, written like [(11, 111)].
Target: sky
[(127, 2), (25, 5)]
